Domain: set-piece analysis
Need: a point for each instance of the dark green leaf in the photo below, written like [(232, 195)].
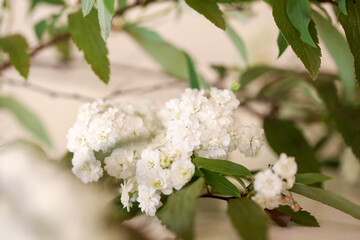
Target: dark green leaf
[(179, 211), (238, 42), (282, 44), (311, 178), (105, 13), (309, 55), (119, 213), (194, 82), (299, 13), (220, 184), (301, 217), (85, 32), (248, 219), (351, 25), (17, 48), (339, 50), (40, 29), (26, 118), (222, 166), (87, 5), (210, 10), (284, 137), (328, 198), (253, 73), (342, 6)]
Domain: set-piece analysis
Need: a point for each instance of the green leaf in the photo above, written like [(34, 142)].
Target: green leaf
[(311, 178), (222, 166), (309, 55), (17, 48), (328, 198), (106, 12), (238, 42), (85, 32), (34, 3), (342, 6), (254, 73), (40, 29), (178, 213), (220, 184), (121, 4), (210, 10), (87, 5), (119, 213), (299, 13), (248, 219), (26, 118), (339, 50), (282, 44), (169, 57), (284, 137), (301, 217), (194, 82), (351, 25)]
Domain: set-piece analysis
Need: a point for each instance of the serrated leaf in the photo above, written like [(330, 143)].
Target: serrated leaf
[(351, 25), (17, 48), (210, 10), (328, 198), (299, 13), (342, 6), (254, 73), (169, 57), (284, 137), (340, 52), (40, 29), (26, 118), (222, 166), (309, 55), (301, 217), (248, 218), (105, 14), (85, 32), (220, 184), (194, 82), (86, 6), (238, 42), (179, 211), (282, 44), (311, 178)]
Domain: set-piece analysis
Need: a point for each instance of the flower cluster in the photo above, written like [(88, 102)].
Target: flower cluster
[(271, 184), (199, 123)]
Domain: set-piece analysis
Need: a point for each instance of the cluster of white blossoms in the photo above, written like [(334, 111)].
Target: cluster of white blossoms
[(199, 123), (271, 184)]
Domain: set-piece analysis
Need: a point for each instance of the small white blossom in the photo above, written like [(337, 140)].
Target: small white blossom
[(86, 167), (251, 140), (285, 167), (266, 202), (268, 183), (149, 199), (121, 163), (181, 173), (126, 189)]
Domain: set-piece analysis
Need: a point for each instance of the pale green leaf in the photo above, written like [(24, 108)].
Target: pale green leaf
[(87, 5), (222, 166), (238, 42), (194, 82), (342, 6), (34, 3), (105, 14), (220, 184), (85, 32), (311, 178)]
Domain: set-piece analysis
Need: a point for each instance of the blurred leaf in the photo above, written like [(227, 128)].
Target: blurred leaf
[(281, 89), (220, 184), (85, 32), (87, 5), (299, 13), (342, 6), (328, 198), (34, 3), (309, 55), (284, 137), (351, 25), (40, 29), (278, 217), (210, 10), (17, 48), (178, 213), (339, 50), (222, 166), (311, 178), (301, 217), (64, 49), (194, 82), (121, 4), (248, 219), (238, 42), (26, 118), (66, 160), (119, 214), (105, 14), (254, 73), (282, 44)]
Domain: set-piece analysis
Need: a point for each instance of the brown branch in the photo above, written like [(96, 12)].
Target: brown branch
[(217, 197)]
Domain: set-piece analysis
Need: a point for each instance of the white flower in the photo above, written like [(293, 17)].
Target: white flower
[(149, 199), (251, 140), (288, 183), (120, 164), (86, 167), (181, 173), (350, 167), (126, 189), (285, 167), (266, 202), (268, 183), (76, 138)]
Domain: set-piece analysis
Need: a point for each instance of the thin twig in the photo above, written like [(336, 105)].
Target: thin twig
[(217, 197)]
